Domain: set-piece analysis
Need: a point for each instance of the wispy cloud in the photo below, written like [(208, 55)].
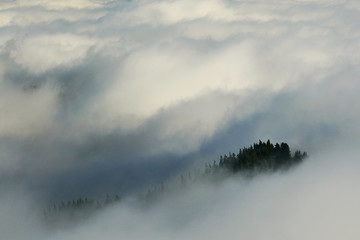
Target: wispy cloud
[(89, 87)]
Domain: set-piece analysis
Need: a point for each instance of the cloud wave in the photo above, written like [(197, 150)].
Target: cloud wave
[(94, 89)]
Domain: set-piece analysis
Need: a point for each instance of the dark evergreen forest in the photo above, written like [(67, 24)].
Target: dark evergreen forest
[(262, 156)]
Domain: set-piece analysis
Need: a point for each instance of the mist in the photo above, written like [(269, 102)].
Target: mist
[(318, 199), (103, 96)]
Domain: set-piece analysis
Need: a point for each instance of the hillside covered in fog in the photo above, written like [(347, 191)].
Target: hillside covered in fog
[(123, 105), (259, 158)]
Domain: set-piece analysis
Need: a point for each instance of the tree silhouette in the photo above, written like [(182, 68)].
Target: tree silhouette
[(257, 158)]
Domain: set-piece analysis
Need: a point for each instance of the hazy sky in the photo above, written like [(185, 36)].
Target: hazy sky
[(104, 96)]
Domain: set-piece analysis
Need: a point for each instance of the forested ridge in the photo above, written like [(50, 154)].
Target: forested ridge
[(259, 158), (262, 156)]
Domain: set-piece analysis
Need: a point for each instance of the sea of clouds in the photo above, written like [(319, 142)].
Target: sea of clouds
[(103, 96)]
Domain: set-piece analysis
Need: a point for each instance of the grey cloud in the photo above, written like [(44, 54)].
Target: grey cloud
[(107, 95)]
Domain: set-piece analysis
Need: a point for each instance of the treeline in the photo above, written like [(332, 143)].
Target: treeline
[(262, 156), (76, 209), (258, 158)]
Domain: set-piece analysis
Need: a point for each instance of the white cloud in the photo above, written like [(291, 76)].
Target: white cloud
[(185, 127), (52, 5), (29, 17), (161, 77), (182, 72), (170, 53), (43, 52), (172, 12)]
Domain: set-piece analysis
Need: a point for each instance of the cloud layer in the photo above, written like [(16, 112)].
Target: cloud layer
[(114, 95)]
